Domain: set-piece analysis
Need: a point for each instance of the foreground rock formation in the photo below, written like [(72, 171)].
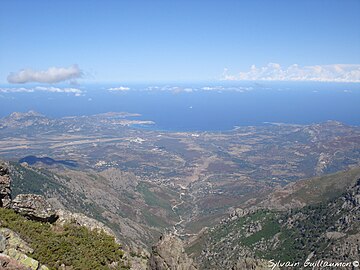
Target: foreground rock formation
[(8, 263), (14, 252), (32, 206), (169, 254)]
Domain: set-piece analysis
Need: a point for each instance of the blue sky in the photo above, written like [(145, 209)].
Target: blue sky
[(140, 41)]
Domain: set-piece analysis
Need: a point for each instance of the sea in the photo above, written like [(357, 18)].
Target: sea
[(200, 106)]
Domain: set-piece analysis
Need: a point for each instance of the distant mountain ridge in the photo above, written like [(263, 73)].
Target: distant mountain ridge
[(40, 122)]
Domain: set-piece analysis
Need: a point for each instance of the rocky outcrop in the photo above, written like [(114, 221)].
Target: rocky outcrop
[(352, 198), (34, 207), (65, 217), (8, 263), (15, 251), (238, 213), (30, 205), (169, 254), (5, 181)]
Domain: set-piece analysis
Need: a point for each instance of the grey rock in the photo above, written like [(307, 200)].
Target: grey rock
[(169, 254), (252, 228), (8, 263), (16, 253), (2, 243), (5, 182), (238, 213), (14, 241), (4, 169), (334, 235), (65, 216), (34, 207)]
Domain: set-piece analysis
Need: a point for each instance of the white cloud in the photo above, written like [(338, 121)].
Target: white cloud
[(58, 90), (223, 88), (169, 88), (51, 75), (152, 88), (51, 89), (16, 90), (183, 89), (212, 88), (178, 89), (188, 90), (321, 73), (120, 88)]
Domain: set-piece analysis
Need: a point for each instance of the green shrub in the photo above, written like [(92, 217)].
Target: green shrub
[(70, 244)]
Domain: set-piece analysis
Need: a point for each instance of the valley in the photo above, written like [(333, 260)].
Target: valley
[(304, 227)]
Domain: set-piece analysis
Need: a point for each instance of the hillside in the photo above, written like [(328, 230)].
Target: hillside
[(36, 236), (309, 191), (327, 230), (137, 211)]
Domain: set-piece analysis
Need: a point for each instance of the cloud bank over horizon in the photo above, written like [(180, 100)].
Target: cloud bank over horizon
[(51, 75), (51, 89), (120, 88), (317, 73)]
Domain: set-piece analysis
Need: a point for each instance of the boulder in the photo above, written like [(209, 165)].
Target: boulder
[(5, 181), (15, 252), (23, 259), (34, 207), (169, 254), (13, 241), (8, 263), (2, 243)]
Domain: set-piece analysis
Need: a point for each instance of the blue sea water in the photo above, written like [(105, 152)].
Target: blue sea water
[(186, 107)]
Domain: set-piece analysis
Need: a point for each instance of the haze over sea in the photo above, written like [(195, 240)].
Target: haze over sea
[(198, 106)]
